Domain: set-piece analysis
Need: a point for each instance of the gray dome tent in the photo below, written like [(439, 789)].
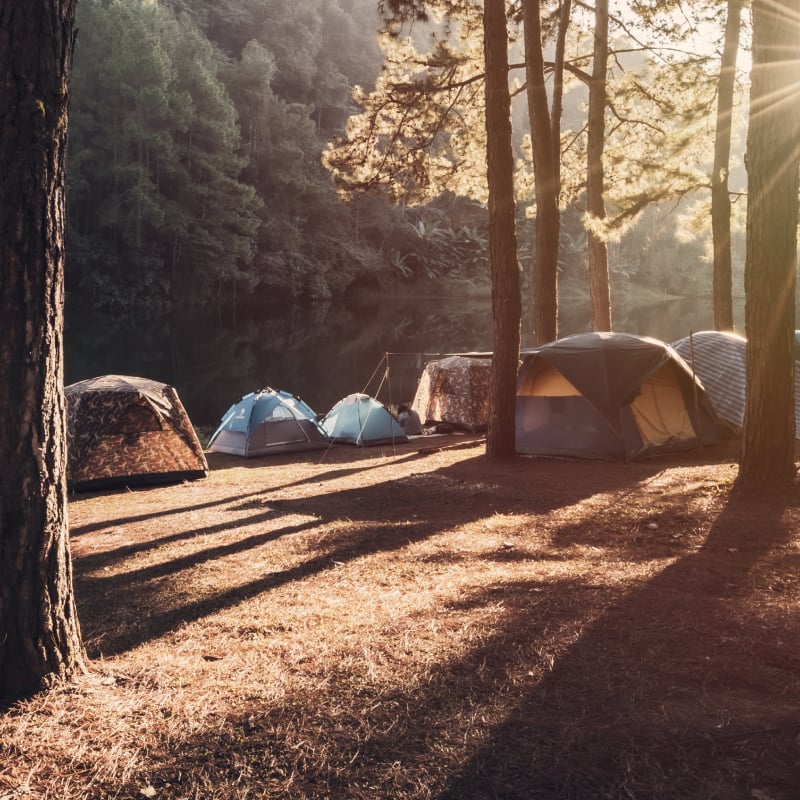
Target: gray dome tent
[(609, 395)]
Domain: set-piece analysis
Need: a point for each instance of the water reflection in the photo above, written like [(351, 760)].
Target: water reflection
[(324, 352)]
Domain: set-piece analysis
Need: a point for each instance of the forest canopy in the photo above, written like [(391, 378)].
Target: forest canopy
[(196, 174), (196, 129)]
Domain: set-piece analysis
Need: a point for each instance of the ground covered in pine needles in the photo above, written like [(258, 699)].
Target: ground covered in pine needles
[(419, 622)]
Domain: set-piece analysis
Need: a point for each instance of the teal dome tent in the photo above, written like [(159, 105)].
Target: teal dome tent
[(361, 420)]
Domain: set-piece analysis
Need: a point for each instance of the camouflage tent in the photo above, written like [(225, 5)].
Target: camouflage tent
[(123, 431), (455, 390)]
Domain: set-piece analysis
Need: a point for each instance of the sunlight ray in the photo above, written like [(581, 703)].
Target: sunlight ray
[(783, 97)]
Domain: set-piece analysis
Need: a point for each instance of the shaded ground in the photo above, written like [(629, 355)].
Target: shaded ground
[(422, 623)]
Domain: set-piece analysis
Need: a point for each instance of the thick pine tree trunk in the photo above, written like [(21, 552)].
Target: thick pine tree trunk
[(506, 303), (39, 632), (767, 459), (720, 197)]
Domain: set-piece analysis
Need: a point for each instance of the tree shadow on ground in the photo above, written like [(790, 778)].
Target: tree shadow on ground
[(680, 684), (161, 513), (656, 697), (133, 605), (678, 689)]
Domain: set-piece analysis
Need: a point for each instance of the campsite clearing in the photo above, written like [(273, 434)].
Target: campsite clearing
[(418, 622)]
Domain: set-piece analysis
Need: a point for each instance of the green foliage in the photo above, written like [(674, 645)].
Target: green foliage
[(156, 206), (432, 245), (291, 74), (421, 131), (196, 135)]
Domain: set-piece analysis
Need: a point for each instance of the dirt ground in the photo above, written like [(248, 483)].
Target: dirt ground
[(420, 622)]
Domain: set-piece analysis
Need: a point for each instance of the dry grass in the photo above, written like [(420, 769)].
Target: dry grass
[(405, 624)]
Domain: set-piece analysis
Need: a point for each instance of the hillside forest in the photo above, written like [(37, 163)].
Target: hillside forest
[(217, 154)]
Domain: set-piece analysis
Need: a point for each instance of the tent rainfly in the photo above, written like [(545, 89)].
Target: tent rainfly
[(361, 420), (609, 395), (265, 422), (455, 390), (125, 431)]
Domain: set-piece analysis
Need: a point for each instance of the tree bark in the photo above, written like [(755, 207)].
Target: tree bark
[(546, 147), (506, 302), (767, 459), (39, 631), (597, 252), (720, 196)]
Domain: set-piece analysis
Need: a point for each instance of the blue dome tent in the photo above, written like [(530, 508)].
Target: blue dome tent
[(268, 421)]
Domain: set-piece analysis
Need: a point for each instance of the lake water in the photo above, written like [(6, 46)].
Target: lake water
[(324, 352)]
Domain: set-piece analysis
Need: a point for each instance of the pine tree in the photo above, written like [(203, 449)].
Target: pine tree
[(720, 193), (506, 311), (40, 638), (773, 159), (597, 252)]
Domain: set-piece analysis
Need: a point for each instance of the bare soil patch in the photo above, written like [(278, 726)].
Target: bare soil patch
[(420, 622)]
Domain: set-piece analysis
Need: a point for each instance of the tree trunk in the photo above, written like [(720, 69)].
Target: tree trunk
[(39, 632), (767, 458), (597, 262), (720, 197), (506, 303), (545, 143)]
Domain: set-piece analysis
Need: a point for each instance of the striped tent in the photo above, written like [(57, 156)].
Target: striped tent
[(718, 360)]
